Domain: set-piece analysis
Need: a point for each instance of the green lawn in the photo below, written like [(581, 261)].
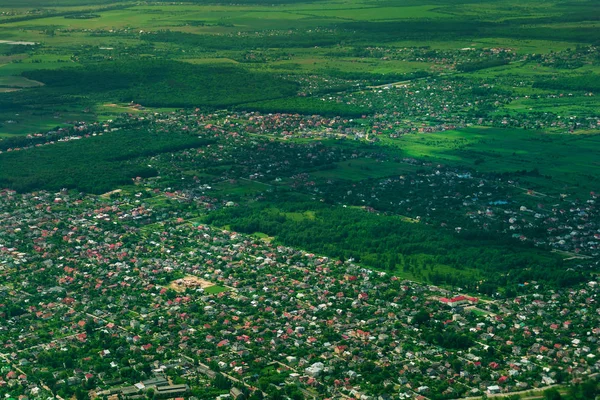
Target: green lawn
[(565, 106), (41, 120), (216, 289), (17, 82)]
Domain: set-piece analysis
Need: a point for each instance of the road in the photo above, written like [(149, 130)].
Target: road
[(500, 395)]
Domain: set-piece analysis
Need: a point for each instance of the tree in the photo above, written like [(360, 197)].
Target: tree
[(421, 317), (221, 382), (256, 395), (81, 394), (552, 394), (589, 389)]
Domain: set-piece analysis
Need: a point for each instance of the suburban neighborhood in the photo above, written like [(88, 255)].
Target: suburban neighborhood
[(96, 310)]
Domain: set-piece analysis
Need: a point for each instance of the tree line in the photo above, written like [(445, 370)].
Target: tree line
[(387, 243)]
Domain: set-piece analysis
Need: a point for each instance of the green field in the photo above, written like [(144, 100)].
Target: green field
[(17, 82), (567, 162), (241, 187), (41, 120), (216, 289), (296, 39)]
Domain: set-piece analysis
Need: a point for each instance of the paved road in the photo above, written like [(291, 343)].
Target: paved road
[(500, 395)]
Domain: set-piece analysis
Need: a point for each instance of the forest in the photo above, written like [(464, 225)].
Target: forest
[(589, 82), (153, 83), (94, 164)]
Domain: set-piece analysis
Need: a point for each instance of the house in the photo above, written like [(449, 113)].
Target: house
[(171, 391), (235, 392), (291, 359), (547, 380), (458, 300), (493, 389)]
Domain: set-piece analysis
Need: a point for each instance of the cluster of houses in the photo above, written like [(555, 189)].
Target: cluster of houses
[(463, 200), (443, 58), (86, 292)]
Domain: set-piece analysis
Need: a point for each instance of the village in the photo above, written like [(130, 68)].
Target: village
[(294, 151), (130, 295), (95, 310), (287, 200)]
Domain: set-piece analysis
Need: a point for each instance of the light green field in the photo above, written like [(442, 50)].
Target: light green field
[(17, 82), (216, 289), (569, 160), (222, 60), (519, 46), (36, 62), (377, 13), (240, 187), (500, 10), (525, 70), (166, 17), (300, 216), (309, 63), (564, 106), (32, 121)]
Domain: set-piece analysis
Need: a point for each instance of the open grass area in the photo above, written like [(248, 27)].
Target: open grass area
[(377, 13), (562, 160), (33, 121), (323, 64), (17, 82), (240, 188), (568, 105), (14, 70), (300, 216), (216, 289)]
